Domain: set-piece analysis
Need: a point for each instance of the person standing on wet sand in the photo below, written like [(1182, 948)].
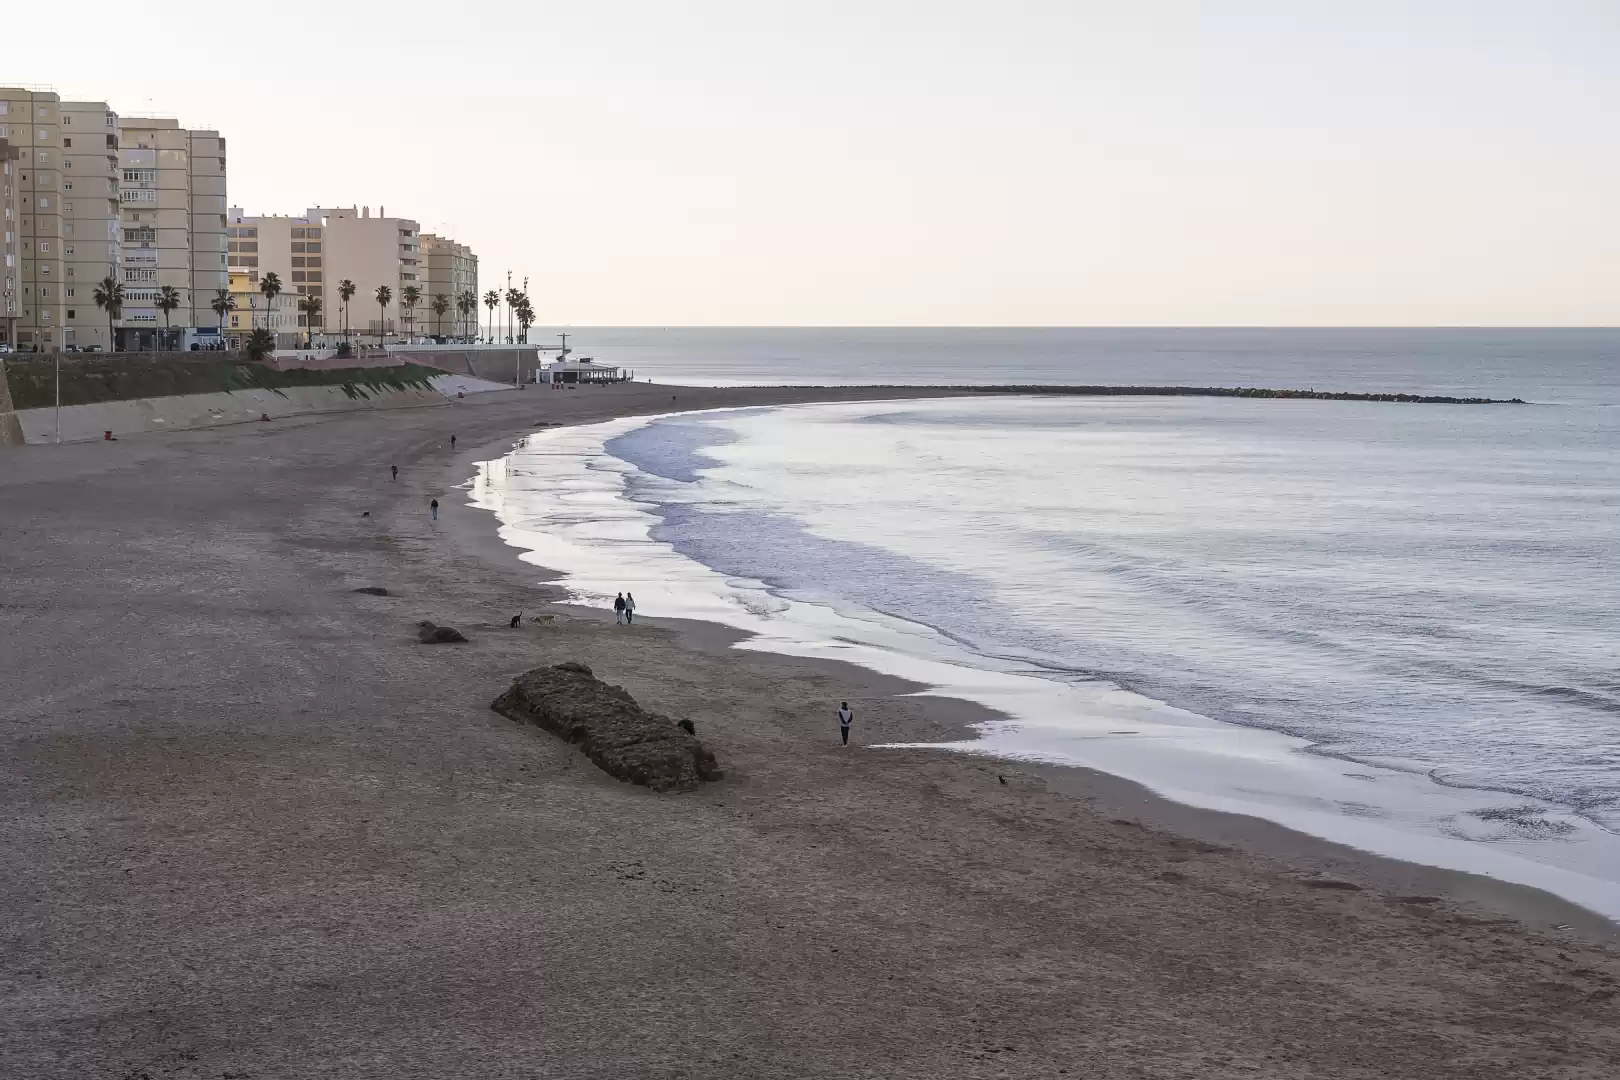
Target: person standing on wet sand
[(618, 609), (433, 507), (846, 717), (452, 442), (395, 470), (629, 608)]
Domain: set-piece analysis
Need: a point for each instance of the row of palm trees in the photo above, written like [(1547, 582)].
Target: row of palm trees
[(109, 296), (518, 306)]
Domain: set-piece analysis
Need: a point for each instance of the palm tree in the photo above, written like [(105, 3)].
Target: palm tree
[(525, 316), (270, 285), (492, 300), (383, 294), (261, 344), (168, 299), (311, 307), (346, 291), (409, 297), (466, 304), (223, 304), (512, 298), (110, 295), (440, 305)]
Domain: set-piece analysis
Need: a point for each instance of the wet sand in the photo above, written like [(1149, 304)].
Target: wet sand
[(254, 829)]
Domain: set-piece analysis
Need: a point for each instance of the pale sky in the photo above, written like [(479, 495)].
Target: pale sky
[(922, 162)]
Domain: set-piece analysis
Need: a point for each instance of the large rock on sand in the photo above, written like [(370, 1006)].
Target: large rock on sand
[(622, 738)]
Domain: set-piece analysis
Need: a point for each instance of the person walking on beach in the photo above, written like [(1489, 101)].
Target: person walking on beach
[(846, 717), (395, 470), (618, 610), (629, 608), (452, 442), (434, 508)]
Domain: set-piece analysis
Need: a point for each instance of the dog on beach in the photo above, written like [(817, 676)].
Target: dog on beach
[(517, 620)]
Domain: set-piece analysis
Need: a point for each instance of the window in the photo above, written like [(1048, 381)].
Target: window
[(132, 274), (314, 275), (298, 275), (67, 185), (67, 143), (112, 121), (140, 176), (315, 261), (44, 245), (67, 120), (112, 142), (298, 248), (72, 314), (315, 248), (44, 202), (70, 292), (45, 268), (297, 261)]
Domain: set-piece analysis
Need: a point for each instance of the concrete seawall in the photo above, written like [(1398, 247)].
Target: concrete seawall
[(11, 432), (82, 423)]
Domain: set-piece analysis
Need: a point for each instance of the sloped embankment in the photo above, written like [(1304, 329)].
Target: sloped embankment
[(130, 394), (604, 721)]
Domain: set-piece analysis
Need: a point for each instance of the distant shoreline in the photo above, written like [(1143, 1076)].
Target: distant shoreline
[(1062, 390)]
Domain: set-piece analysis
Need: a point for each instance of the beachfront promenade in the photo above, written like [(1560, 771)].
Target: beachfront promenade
[(254, 829)]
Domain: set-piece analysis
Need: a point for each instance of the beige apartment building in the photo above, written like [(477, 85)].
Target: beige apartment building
[(90, 196), (172, 195), (448, 269), (292, 249), (10, 246), (369, 251), (91, 233), (31, 125)]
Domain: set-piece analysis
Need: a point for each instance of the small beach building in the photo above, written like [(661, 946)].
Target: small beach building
[(583, 370)]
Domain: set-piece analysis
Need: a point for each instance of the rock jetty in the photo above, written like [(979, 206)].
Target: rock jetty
[(604, 721)]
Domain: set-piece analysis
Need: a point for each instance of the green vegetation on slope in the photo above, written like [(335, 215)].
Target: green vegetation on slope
[(118, 378)]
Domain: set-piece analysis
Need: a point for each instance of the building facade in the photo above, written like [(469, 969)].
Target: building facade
[(31, 124), (173, 210), (10, 245), (92, 248), (449, 269), (369, 251), (91, 196), (292, 249)]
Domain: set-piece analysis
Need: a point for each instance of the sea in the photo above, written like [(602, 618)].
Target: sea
[(1395, 626)]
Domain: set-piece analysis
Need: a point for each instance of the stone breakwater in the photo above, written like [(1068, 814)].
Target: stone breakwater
[(619, 736), (1242, 392)]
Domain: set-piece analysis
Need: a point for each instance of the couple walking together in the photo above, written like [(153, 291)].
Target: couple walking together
[(624, 608)]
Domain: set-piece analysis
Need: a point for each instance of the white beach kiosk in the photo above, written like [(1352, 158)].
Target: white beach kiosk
[(565, 372)]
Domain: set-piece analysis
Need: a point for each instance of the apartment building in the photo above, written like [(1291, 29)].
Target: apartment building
[(10, 246), (449, 269), (173, 202), (291, 248), (31, 124), (369, 251), (89, 195), (91, 233)]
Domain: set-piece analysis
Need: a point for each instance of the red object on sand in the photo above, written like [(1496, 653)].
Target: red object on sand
[(106, 436)]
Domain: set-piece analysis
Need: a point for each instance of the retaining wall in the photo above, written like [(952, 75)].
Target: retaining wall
[(82, 423)]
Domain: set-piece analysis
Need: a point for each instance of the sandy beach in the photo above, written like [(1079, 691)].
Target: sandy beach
[(255, 830)]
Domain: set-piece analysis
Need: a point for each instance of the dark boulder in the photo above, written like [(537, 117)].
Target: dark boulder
[(429, 634), (604, 721)]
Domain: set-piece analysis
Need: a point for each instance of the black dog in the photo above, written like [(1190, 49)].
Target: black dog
[(516, 620)]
